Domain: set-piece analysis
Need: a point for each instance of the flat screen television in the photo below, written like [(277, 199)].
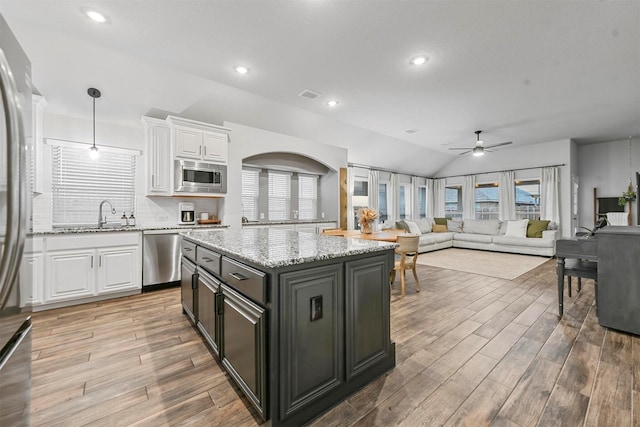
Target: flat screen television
[(609, 204)]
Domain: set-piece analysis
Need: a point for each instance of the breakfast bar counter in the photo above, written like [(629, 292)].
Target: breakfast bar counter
[(300, 321)]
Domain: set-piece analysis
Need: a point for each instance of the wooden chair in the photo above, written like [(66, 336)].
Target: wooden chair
[(408, 251)]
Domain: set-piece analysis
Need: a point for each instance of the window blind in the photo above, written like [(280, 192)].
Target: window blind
[(279, 195), (307, 196), (250, 192), (80, 183)]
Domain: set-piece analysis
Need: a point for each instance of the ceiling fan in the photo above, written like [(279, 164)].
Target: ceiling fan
[(480, 148)]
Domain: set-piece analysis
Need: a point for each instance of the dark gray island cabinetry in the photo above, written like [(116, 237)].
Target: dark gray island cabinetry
[(299, 321)]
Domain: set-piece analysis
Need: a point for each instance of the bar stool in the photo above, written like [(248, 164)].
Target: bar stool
[(576, 268)]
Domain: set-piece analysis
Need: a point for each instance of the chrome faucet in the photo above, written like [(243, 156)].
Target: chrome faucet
[(102, 221)]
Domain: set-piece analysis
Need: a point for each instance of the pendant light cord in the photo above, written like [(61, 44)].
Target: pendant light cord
[(94, 122)]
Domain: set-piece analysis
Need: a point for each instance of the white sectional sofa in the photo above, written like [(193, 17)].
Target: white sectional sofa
[(491, 235)]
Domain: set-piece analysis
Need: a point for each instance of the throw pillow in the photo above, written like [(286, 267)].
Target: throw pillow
[(455, 226), (439, 228), (440, 221), (424, 224), (536, 227), (517, 228), (413, 228), (401, 225)]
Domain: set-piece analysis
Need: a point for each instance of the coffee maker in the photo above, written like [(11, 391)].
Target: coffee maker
[(186, 213)]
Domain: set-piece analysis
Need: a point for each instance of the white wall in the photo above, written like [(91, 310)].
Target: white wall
[(605, 166), (531, 156), (247, 141)]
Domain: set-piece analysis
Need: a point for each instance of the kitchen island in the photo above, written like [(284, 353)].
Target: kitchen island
[(300, 321)]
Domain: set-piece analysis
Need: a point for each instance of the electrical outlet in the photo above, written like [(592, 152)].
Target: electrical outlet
[(322, 215), (261, 215)]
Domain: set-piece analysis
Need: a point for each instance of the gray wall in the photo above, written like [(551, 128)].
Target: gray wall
[(605, 166), (248, 141)]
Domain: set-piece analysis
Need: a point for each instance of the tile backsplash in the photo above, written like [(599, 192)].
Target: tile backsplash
[(150, 211)]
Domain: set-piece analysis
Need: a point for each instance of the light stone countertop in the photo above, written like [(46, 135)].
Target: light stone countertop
[(280, 248), (76, 230), (290, 221)]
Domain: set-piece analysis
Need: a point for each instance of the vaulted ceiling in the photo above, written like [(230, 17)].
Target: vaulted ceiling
[(521, 71)]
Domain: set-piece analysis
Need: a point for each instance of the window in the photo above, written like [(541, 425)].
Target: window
[(79, 184), (307, 196), (487, 199), (360, 197), (384, 198), (250, 192), (422, 201), (405, 201), (528, 199), (279, 195), (453, 202)]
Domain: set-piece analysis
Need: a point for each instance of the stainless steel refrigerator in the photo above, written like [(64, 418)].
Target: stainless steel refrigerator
[(15, 322)]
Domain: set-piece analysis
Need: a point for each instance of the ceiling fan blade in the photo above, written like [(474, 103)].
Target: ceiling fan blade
[(464, 152), (459, 148), (498, 145)]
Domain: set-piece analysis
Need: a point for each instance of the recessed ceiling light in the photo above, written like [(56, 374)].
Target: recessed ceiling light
[(96, 16), (419, 60), (333, 103), (241, 69)]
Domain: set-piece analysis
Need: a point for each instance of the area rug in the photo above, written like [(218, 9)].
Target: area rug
[(494, 264)]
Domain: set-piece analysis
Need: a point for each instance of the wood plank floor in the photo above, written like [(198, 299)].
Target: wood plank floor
[(472, 350)]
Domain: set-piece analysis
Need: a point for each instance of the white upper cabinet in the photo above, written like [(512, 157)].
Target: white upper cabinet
[(38, 104), (158, 158), (198, 141)]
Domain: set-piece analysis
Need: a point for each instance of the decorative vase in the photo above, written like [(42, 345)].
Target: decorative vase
[(366, 228)]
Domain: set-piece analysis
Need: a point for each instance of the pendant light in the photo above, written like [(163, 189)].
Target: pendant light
[(94, 93)]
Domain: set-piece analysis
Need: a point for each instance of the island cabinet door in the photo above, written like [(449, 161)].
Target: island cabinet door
[(243, 346), (367, 314), (208, 290), (187, 288), (312, 335)]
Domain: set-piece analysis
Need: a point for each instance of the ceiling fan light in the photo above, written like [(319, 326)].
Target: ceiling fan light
[(478, 151)]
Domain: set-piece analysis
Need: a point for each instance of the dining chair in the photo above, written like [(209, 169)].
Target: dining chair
[(408, 251)]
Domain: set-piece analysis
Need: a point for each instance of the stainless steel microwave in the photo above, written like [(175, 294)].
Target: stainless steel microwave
[(199, 177)]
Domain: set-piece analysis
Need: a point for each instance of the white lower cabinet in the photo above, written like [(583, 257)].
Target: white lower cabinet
[(32, 272), (118, 269), (70, 274), (86, 266)]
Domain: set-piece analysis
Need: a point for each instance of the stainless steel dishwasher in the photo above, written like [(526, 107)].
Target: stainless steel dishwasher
[(160, 259)]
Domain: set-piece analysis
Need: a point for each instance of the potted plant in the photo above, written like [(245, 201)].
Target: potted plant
[(627, 196)]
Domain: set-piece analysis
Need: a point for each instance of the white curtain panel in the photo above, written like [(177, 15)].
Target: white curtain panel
[(469, 197), (395, 197), (374, 179), (415, 208), (507, 202), (439, 188), (549, 194), (430, 198), (351, 178)]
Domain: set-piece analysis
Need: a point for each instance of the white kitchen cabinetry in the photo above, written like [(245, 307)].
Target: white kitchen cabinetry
[(158, 159), (326, 225), (32, 272), (199, 141), (36, 162), (89, 266), (306, 228)]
